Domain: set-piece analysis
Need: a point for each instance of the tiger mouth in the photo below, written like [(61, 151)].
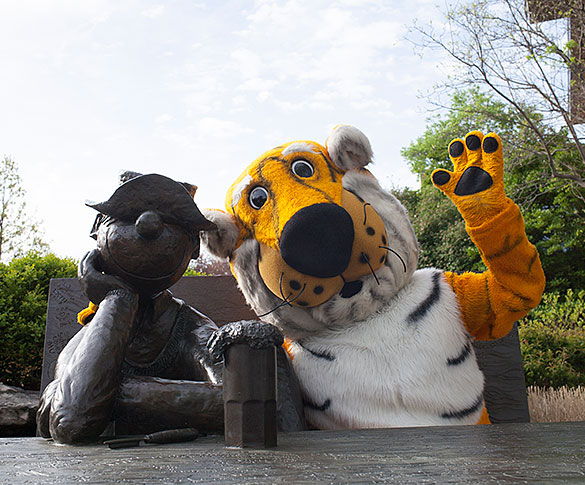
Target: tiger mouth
[(351, 288)]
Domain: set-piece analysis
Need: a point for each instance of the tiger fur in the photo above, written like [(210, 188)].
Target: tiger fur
[(375, 342)]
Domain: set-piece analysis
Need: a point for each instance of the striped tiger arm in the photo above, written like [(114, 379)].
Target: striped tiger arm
[(513, 284), (492, 301)]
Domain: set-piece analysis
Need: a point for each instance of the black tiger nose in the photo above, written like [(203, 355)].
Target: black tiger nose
[(317, 240)]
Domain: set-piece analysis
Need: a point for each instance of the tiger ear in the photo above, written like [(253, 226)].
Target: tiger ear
[(349, 148), (220, 241)]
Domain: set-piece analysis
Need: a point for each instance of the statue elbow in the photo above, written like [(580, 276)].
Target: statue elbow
[(72, 430)]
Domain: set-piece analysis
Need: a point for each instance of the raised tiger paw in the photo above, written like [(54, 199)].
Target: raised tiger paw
[(476, 186)]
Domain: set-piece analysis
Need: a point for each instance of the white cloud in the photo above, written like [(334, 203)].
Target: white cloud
[(164, 118), (312, 45), (88, 83), (154, 11), (247, 63), (290, 106), (257, 85), (219, 128)]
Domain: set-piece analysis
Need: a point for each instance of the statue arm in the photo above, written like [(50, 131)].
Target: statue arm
[(151, 404), (88, 374), (197, 357), (46, 400)]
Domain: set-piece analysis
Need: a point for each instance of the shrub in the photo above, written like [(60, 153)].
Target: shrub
[(24, 287), (552, 339)]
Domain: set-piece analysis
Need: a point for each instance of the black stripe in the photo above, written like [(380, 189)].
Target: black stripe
[(426, 305), (516, 309), (507, 246), (532, 261), (524, 298), (268, 186), (322, 407), (357, 196), (316, 189), (488, 311), (267, 159), (466, 352), (464, 412), (332, 168), (320, 355)]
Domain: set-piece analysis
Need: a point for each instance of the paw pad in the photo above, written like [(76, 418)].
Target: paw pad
[(478, 164), (490, 144), (473, 142), (441, 177), (456, 149), (473, 180), (476, 184)]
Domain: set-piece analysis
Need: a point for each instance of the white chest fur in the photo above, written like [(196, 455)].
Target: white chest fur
[(409, 364)]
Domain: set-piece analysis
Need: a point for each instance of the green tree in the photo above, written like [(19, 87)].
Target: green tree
[(508, 48), (24, 288), (440, 230), (554, 212), (467, 111), (18, 232)]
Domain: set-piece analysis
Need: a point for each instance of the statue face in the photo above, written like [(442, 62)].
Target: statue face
[(150, 254)]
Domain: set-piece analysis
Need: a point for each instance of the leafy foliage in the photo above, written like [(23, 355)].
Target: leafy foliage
[(469, 110), (552, 340), (554, 212), (509, 48), (18, 232), (440, 231), (553, 335), (24, 288)]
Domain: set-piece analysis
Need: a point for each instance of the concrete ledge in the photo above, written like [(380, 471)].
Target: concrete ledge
[(500, 453)]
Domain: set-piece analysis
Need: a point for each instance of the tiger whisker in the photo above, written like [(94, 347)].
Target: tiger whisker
[(398, 255), (300, 293), (365, 214), (285, 299), (367, 261), (274, 309)]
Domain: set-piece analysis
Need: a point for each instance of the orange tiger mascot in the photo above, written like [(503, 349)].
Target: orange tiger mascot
[(320, 250)]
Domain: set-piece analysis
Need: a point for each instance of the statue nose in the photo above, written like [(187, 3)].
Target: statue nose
[(317, 240), (149, 225)]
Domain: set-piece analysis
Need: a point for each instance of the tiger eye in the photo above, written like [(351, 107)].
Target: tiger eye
[(303, 169), (258, 197)]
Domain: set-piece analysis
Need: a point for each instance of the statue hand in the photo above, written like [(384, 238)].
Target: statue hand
[(96, 284), (253, 333)]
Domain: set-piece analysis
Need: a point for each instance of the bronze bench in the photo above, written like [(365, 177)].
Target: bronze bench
[(219, 298)]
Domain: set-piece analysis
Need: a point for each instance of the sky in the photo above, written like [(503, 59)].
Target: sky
[(196, 90)]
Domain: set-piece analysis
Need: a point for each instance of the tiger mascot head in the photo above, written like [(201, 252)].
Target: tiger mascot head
[(313, 240)]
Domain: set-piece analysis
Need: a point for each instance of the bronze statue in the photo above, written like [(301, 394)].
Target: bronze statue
[(142, 360)]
